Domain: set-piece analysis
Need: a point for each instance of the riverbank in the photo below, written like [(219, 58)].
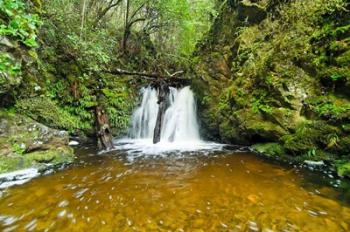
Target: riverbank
[(25, 143)]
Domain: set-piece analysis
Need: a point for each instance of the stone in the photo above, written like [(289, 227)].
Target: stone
[(25, 143), (269, 149)]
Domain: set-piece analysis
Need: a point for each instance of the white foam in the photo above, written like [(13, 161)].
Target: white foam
[(179, 132), (146, 146), (17, 177)]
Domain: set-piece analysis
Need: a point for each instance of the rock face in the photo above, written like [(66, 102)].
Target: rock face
[(25, 143), (275, 72)]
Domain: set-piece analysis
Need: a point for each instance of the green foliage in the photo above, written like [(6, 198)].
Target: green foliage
[(18, 149), (270, 149), (46, 111), (309, 136), (259, 105), (119, 106), (8, 66), (343, 168), (332, 50), (331, 110), (330, 107), (18, 25)]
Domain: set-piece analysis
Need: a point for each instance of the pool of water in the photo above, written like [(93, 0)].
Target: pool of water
[(191, 191)]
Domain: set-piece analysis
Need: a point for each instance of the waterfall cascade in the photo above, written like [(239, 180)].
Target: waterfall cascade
[(179, 129), (180, 119)]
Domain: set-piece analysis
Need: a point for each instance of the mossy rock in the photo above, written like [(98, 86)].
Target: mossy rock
[(25, 143), (286, 118), (57, 156), (330, 107), (48, 112), (344, 144), (343, 169), (38, 159), (310, 136), (270, 149), (254, 125)]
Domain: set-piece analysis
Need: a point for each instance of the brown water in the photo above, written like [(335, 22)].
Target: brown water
[(218, 192)]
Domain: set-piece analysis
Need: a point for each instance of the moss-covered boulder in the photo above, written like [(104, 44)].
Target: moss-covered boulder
[(25, 143), (270, 149), (343, 169), (277, 72)]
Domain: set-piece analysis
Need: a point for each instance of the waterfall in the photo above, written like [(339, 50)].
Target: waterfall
[(145, 116), (178, 130), (180, 119)]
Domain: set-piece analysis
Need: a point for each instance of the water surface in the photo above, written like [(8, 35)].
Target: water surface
[(219, 191)]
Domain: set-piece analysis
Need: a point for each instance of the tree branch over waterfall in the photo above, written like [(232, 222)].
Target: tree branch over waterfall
[(152, 76)]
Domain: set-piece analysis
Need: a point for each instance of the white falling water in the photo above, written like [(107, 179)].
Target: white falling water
[(179, 131), (144, 117), (180, 119)]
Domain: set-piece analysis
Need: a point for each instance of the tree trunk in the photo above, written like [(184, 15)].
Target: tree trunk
[(162, 96), (104, 135), (126, 27)]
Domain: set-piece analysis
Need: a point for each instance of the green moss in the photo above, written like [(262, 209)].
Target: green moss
[(253, 124), (25, 143), (270, 149), (346, 128), (331, 107), (343, 169), (10, 163), (53, 156), (310, 136), (344, 59), (46, 111), (344, 144), (36, 159)]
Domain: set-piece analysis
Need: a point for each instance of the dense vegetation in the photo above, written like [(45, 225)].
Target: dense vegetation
[(57, 59), (58, 54)]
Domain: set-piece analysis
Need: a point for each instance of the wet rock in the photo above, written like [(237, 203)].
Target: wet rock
[(312, 163), (25, 143), (17, 177)]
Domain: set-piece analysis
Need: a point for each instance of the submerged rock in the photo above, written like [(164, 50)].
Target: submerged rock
[(25, 143)]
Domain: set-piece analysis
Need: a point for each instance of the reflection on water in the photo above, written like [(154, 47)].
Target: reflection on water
[(217, 192)]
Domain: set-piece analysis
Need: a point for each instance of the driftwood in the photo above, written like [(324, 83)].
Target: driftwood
[(156, 79), (104, 134)]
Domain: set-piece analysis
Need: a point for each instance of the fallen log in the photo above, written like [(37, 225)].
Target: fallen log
[(156, 79)]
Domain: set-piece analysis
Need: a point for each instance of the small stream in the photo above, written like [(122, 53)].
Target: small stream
[(188, 191)]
